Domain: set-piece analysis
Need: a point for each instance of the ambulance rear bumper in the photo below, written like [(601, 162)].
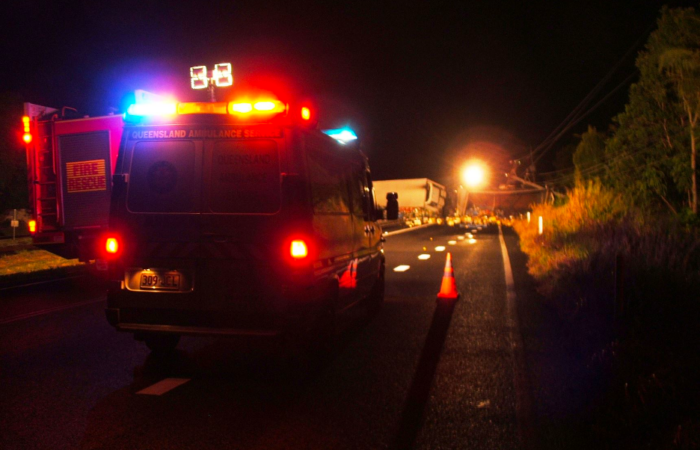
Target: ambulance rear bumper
[(189, 330)]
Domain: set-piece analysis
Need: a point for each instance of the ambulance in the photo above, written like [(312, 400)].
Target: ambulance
[(238, 218)]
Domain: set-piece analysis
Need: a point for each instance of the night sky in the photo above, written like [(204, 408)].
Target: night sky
[(425, 87)]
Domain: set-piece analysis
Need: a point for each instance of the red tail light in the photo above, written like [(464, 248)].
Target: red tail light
[(27, 136), (298, 249), (32, 226), (112, 245), (305, 113)]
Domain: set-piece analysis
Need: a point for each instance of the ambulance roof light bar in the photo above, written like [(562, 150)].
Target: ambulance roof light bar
[(164, 107)]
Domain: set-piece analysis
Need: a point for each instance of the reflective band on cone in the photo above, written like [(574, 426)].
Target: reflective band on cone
[(448, 289)]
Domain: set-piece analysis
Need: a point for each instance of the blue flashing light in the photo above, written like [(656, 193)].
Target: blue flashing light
[(342, 135)]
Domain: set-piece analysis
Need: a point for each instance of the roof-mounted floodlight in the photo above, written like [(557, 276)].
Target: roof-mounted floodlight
[(342, 135), (221, 76)]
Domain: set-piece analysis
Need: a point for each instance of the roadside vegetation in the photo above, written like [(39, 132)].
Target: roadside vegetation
[(619, 255), (30, 260)]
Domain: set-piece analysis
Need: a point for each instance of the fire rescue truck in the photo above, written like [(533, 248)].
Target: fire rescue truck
[(70, 161), (238, 218)]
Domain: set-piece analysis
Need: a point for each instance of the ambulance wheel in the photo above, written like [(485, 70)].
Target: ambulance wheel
[(161, 343), (321, 339), (375, 299)]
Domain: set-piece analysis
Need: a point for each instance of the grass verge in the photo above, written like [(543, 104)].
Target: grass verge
[(28, 261), (627, 290)]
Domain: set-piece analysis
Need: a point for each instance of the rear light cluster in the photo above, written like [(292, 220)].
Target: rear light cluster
[(32, 226), (27, 136)]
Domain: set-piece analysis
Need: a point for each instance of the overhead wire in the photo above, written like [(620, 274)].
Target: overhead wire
[(576, 115), (582, 116)]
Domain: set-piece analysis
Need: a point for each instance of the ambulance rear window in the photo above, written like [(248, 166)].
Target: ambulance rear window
[(162, 177), (245, 177)]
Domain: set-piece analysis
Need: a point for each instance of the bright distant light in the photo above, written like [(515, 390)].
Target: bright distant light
[(452, 242), (474, 174), (401, 268), (472, 241), (440, 248), (461, 238), (342, 135), (424, 256)]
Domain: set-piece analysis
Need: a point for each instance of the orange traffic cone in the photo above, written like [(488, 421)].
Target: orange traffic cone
[(448, 289)]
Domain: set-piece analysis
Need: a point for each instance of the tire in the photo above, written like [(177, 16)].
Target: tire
[(319, 341), (161, 343), (375, 299)]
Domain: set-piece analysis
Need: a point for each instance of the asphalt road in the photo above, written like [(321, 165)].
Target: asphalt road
[(417, 375)]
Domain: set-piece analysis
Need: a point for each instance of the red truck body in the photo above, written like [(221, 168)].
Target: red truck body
[(70, 163)]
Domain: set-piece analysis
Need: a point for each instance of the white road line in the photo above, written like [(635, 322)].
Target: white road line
[(48, 311), (163, 386), (424, 256), (440, 248), (401, 268), (523, 395)]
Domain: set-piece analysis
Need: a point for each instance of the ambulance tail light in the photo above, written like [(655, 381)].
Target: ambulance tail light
[(298, 250), (26, 124), (112, 246), (32, 226)]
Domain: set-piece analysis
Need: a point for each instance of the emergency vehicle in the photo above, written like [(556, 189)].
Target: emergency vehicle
[(70, 161), (238, 218)]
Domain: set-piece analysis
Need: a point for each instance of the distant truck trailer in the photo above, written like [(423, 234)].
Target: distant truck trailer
[(418, 198)]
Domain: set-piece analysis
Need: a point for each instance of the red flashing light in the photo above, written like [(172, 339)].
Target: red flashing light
[(298, 249), (32, 226), (27, 137), (260, 106), (305, 113)]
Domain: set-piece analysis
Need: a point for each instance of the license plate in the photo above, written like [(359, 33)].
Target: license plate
[(167, 281)]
